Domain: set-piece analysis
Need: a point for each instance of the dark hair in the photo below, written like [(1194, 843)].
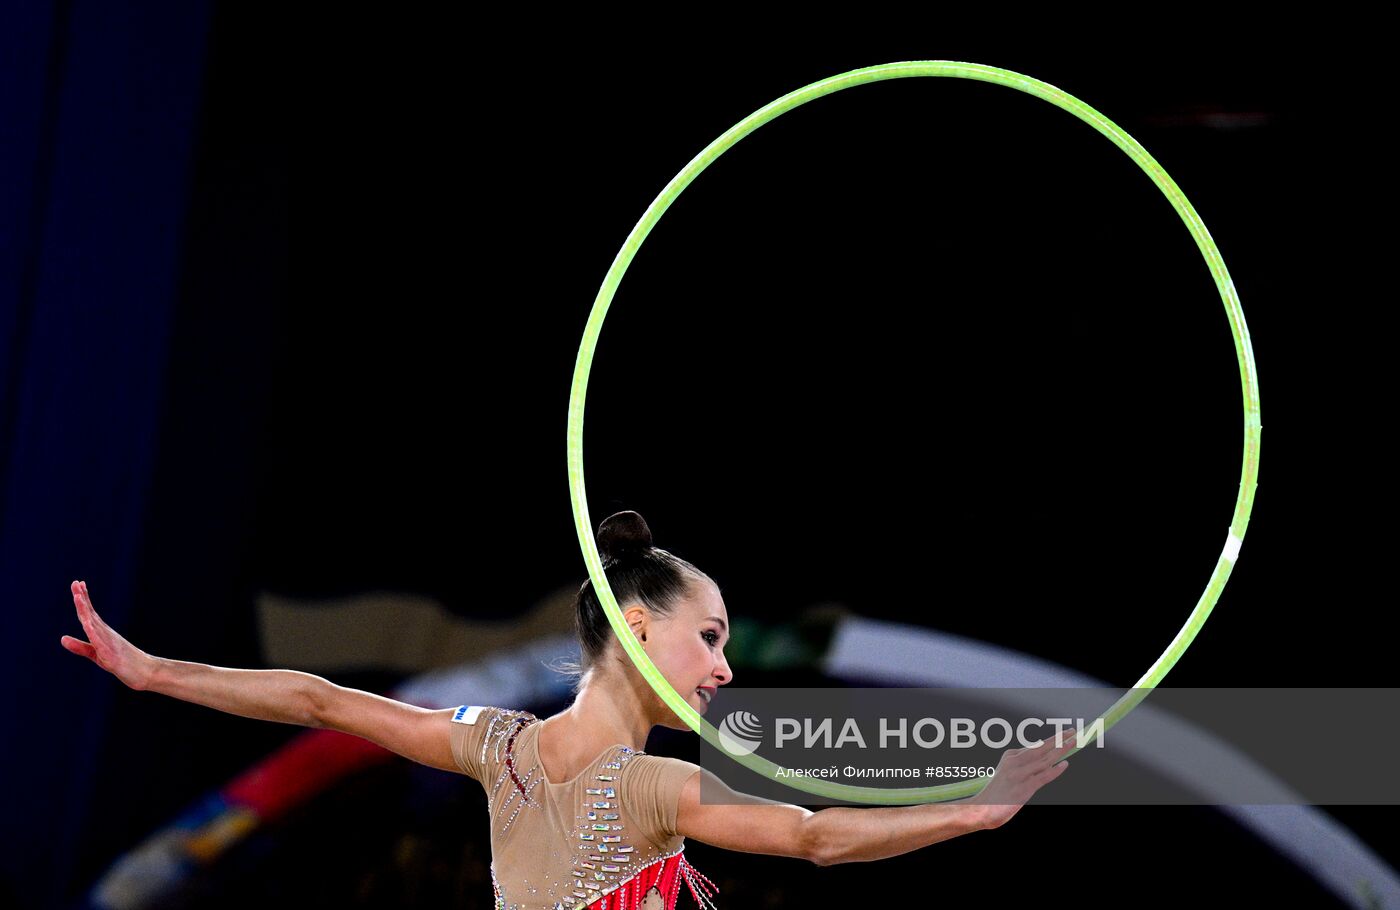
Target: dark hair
[(636, 571)]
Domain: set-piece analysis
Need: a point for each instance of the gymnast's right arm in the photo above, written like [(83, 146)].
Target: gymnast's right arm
[(284, 696)]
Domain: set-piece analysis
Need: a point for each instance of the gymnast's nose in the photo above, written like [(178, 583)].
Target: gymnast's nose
[(723, 674)]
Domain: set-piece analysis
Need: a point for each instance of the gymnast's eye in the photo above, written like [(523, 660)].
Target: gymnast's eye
[(710, 632)]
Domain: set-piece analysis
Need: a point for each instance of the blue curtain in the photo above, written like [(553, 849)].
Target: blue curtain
[(98, 116)]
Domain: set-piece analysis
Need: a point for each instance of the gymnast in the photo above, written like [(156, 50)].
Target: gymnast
[(581, 816)]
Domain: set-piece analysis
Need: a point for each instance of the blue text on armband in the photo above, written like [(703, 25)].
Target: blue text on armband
[(467, 714)]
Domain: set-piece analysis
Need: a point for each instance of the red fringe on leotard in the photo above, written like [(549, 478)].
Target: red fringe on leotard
[(666, 874)]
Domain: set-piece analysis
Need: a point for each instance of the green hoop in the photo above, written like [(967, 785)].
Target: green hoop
[(1248, 474)]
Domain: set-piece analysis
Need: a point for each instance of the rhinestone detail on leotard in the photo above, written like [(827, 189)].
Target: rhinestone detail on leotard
[(603, 877)]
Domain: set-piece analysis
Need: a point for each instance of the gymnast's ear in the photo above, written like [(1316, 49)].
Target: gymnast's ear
[(637, 616)]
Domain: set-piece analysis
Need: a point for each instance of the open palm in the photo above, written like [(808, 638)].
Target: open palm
[(1019, 774), (104, 646)]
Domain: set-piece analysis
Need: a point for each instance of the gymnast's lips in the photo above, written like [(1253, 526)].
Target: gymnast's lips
[(707, 692)]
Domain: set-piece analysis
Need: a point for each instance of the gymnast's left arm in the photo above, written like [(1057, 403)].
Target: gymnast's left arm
[(749, 824), (851, 835)]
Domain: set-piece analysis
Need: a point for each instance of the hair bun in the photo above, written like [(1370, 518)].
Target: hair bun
[(622, 535)]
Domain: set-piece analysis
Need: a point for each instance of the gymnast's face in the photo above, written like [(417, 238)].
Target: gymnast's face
[(688, 646)]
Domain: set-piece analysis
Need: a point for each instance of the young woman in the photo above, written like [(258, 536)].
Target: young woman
[(580, 815)]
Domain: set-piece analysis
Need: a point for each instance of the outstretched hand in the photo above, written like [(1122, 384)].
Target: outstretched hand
[(1019, 774), (105, 647)]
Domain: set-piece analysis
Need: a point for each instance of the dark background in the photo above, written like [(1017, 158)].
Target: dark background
[(292, 304)]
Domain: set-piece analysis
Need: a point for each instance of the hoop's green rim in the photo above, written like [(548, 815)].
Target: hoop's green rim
[(1249, 384)]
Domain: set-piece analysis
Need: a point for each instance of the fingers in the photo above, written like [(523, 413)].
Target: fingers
[(1044, 754), (100, 637), (1049, 752), (80, 595), (1067, 739), (1037, 765), (78, 646), (93, 625), (86, 613), (1066, 734), (1042, 778)]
